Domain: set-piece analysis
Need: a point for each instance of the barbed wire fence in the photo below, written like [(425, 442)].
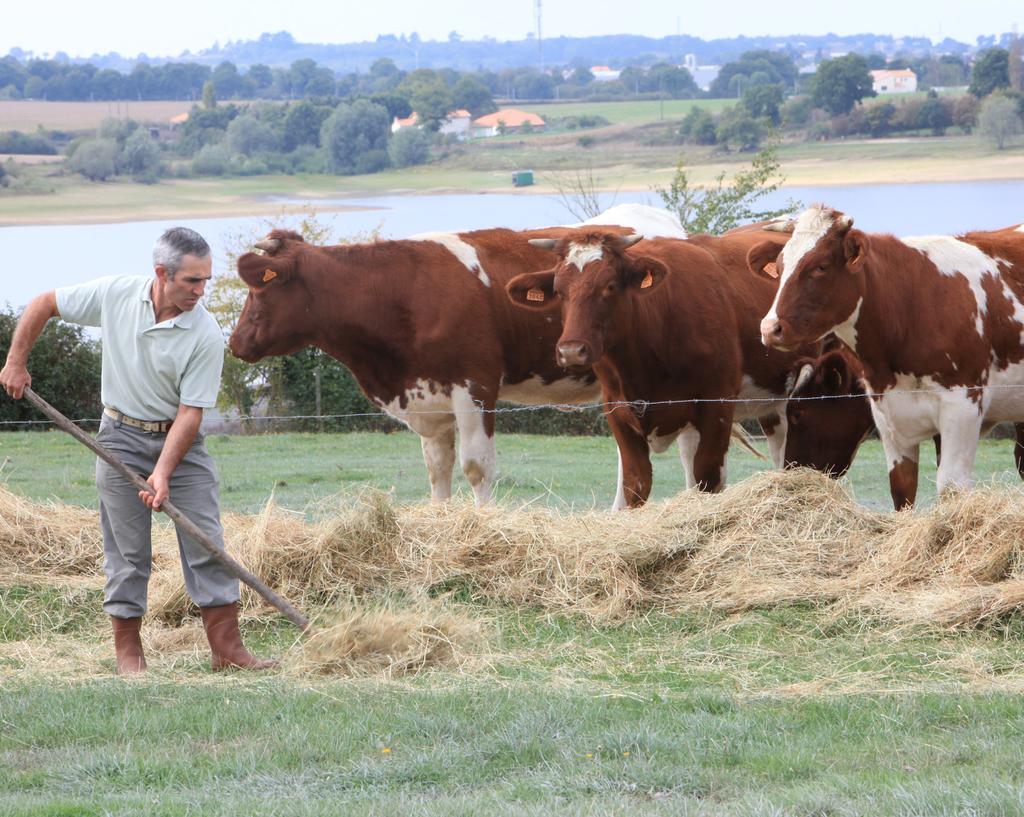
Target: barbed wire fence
[(639, 407)]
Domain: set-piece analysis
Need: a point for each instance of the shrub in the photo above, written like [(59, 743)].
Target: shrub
[(211, 160), (410, 146), (13, 141), (96, 159)]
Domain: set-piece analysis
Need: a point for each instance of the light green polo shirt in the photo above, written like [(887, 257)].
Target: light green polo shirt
[(149, 368)]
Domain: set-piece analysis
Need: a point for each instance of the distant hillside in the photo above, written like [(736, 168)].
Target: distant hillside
[(619, 50)]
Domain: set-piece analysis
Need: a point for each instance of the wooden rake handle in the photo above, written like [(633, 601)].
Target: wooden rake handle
[(287, 609)]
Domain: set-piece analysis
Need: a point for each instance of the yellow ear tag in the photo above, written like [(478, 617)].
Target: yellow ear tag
[(648, 281), (535, 294), (269, 275), (771, 268)]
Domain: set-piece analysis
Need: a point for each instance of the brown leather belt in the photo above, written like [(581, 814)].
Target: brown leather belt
[(152, 426)]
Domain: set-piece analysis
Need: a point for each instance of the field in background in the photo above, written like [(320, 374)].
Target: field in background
[(561, 472), (27, 114)]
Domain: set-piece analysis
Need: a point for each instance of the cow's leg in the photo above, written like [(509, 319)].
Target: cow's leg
[(635, 471), (901, 457), (689, 440), (715, 426), (476, 442), (775, 427), (960, 429), (439, 455), (1018, 448)]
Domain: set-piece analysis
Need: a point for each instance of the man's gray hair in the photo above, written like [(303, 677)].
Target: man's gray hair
[(176, 243)]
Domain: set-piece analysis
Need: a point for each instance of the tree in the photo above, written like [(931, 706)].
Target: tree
[(1015, 65), (96, 159), (841, 83), (140, 156), (999, 120), (410, 146), (698, 127), (934, 114), (65, 367), (760, 67), (352, 131), (722, 206), (471, 94), (209, 95), (302, 124), (991, 72), (429, 96), (247, 135), (763, 102), (672, 81)]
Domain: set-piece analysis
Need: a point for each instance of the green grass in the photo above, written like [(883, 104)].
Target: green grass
[(629, 113), (788, 710), (665, 716), (298, 469)]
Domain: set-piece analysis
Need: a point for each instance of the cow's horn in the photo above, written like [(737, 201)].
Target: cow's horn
[(802, 379), (629, 240), (845, 221), (544, 243), (780, 226), (268, 244)]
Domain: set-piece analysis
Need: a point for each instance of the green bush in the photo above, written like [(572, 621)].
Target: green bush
[(96, 159), (65, 369), (13, 141)]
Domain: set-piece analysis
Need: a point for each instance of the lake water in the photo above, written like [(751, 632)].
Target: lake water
[(41, 258)]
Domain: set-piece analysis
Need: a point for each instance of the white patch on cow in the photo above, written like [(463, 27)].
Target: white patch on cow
[(953, 257), (476, 446), (582, 254), (776, 438), (619, 503), (1018, 308), (811, 226), (650, 222), (535, 392), (847, 330), (439, 456), (1020, 229), (763, 402), (659, 443), (466, 253), (689, 439)]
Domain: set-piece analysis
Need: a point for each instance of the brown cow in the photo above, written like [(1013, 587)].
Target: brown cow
[(663, 322), (937, 321), (829, 415), (425, 327)]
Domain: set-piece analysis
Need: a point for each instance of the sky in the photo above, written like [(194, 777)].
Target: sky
[(167, 29)]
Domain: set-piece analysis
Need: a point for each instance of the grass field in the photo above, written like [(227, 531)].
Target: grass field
[(776, 711), (570, 473), (779, 710), (28, 115)]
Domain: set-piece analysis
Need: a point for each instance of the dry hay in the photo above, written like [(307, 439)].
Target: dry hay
[(775, 538), (45, 538), (388, 641)]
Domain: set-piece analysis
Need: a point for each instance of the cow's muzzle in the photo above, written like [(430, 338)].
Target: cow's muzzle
[(574, 354), (775, 333)]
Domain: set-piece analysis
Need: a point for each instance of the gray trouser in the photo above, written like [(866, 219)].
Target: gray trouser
[(126, 522)]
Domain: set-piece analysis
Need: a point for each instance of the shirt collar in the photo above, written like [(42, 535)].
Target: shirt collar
[(185, 320)]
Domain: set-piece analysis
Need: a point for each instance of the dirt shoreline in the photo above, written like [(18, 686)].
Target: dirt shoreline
[(799, 173)]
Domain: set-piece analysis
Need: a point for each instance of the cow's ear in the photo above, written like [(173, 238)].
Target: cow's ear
[(533, 290), (259, 270), (855, 245), (645, 274), (763, 260)]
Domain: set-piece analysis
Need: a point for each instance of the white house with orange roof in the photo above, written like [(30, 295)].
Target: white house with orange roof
[(903, 81), (507, 120), (457, 123)]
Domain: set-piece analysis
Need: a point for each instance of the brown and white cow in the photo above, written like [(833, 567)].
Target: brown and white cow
[(663, 322), (425, 327), (829, 415), (937, 322)]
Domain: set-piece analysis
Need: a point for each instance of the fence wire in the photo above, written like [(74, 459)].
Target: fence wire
[(639, 407)]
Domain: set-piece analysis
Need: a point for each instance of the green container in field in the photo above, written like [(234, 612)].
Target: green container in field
[(522, 178)]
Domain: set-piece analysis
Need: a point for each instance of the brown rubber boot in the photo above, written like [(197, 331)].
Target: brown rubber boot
[(128, 645), (221, 624)]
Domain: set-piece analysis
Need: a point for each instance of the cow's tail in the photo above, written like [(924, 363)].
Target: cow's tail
[(739, 433)]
